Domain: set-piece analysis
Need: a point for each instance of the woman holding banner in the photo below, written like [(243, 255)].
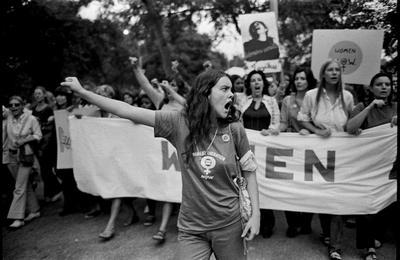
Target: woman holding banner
[(44, 114), (208, 139), (380, 109), (72, 195), (302, 81), (326, 110), (260, 112)]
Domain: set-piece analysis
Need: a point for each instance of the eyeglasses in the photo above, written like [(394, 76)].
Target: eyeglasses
[(14, 104)]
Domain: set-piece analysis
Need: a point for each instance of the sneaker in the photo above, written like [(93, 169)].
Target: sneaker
[(149, 220), (107, 234), (334, 254), (160, 236), (17, 224), (32, 216)]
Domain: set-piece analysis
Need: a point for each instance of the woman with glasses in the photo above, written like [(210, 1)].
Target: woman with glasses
[(21, 129)]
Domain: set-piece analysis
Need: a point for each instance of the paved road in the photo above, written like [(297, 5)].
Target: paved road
[(73, 237)]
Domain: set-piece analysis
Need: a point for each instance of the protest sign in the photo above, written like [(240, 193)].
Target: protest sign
[(260, 41), (358, 52), (342, 174)]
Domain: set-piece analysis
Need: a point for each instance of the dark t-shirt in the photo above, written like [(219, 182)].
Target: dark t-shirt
[(210, 198), (43, 116), (377, 115), (256, 119), (256, 50)]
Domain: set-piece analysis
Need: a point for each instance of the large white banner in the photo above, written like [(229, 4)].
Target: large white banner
[(358, 51), (64, 155), (342, 174), (260, 42)]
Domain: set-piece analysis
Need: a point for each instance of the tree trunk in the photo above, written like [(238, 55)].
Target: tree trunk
[(156, 24)]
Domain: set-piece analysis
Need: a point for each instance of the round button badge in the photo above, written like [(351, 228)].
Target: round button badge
[(225, 138)]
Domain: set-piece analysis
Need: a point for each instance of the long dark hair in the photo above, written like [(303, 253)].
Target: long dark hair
[(253, 30), (248, 79), (375, 77), (311, 81), (198, 110), (322, 83)]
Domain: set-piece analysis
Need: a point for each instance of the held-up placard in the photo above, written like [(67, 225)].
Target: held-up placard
[(358, 52), (260, 41)]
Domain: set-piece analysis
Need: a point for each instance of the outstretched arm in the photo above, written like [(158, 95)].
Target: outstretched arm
[(119, 108), (155, 96)]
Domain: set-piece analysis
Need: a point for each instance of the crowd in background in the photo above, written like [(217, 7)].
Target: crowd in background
[(268, 103)]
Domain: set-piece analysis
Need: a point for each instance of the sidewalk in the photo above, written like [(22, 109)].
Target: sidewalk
[(73, 237)]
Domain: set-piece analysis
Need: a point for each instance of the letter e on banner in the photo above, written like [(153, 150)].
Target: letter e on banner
[(271, 163)]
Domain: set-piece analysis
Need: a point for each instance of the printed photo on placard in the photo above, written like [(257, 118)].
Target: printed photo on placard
[(260, 41)]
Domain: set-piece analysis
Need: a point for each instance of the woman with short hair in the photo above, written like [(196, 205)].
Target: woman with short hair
[(22, 129)]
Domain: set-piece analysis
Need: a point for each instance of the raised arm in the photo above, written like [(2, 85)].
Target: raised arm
[(119, 108), (177, 75), (172, 93), (354, 123), (155, 96)]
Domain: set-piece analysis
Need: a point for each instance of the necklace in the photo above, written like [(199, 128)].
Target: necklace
[(208, 162), (212, 141)]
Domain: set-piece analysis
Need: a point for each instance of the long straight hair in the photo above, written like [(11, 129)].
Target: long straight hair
[(198, 109), (322, 84)]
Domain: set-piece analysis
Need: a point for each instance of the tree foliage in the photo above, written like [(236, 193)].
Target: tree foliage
[(47, 41)]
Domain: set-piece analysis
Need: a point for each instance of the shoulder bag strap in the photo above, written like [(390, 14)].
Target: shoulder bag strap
[(239, 171)]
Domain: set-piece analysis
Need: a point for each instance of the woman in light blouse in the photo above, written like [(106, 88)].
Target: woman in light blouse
[(302, 81), (21, 128), (325, 110)]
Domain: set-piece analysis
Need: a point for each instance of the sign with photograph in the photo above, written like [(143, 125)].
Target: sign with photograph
[(260, 41)]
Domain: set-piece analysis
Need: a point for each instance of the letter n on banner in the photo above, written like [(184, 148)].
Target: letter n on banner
[(167, 162), (271, 163), (311, 160)]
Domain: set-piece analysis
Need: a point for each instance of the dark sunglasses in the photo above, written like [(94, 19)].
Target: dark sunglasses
[(14, 104)]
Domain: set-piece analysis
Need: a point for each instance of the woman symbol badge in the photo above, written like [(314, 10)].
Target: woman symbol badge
[(207, 162)]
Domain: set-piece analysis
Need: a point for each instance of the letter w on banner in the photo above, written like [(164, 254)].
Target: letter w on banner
[(342, 174)]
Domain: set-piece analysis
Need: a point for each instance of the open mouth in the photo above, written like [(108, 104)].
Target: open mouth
[(228, 105)]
